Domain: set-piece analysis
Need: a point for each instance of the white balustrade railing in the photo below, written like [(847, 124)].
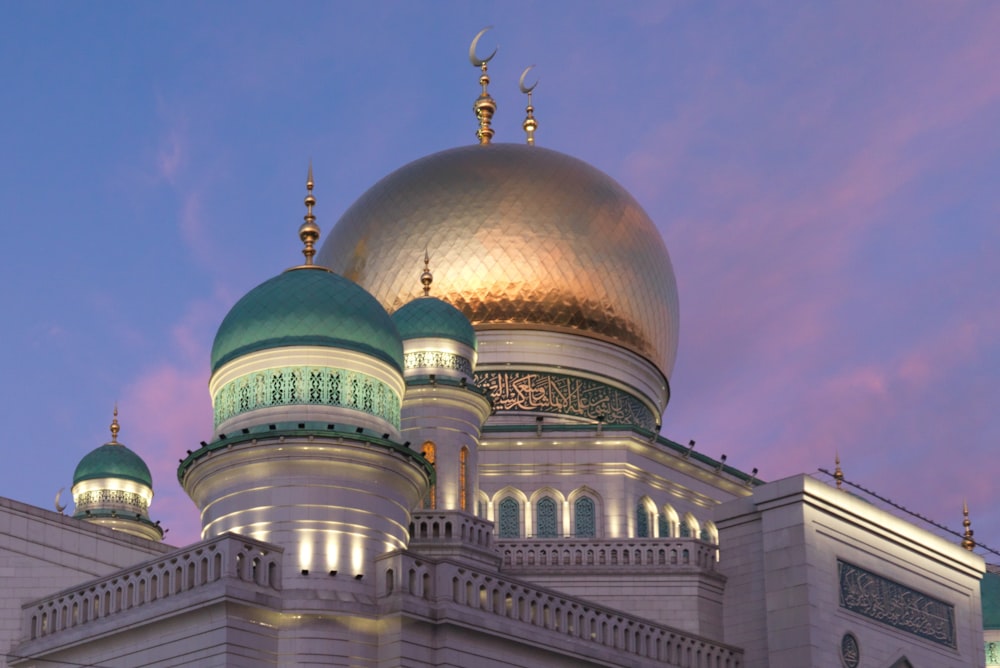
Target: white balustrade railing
[(227, 556), (437, 584), (661, 554)]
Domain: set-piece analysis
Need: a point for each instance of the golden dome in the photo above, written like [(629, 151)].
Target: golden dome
[(522, 237)]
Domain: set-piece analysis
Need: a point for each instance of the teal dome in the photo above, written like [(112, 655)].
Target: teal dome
[(308, 307), (433, 318), (113, 460)]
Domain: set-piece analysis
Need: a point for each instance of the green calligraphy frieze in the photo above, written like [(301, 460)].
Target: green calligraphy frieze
[(896, 605), (304, 385), (564, 395)]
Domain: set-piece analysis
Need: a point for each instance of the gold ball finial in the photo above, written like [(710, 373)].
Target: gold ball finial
[(309, 231), (114, 425), (484, 106), (838, 475), (967, 541), (530, 124), (427, 277)]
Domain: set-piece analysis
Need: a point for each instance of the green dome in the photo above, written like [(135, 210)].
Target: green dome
[(431, 317), (113, 460), (307, 307)]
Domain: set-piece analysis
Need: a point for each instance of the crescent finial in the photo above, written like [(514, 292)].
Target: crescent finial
[(520, 83), (473, 58), (60, 507)]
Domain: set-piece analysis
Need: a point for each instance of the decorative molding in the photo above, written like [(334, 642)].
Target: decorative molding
[(306, 385), (97, 498), (423, 359), (896, 605), (850, 652), (566, 395)]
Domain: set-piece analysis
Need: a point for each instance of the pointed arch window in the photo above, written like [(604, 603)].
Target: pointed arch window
[(641, 520), (585, 514), (664, 525), (429, 451), (547, 520), (463, 485), (510, 518)]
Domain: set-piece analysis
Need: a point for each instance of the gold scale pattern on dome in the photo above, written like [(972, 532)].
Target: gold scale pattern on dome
[(530, 238)]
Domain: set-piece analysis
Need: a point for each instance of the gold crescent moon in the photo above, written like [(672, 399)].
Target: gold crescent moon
[(473, 58), (520, 83)]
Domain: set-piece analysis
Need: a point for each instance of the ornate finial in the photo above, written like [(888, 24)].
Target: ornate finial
[(309, 231), (427, 277), (838, 475), (967, 541), (530, 124), (114, 425), (484, 106)]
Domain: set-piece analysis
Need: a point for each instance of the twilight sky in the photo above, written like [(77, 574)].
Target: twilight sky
[(826, 177)]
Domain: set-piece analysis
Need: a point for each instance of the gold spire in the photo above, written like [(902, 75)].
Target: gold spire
[(967, 541), (427, 277), (838, 475), (114, 426), (484, 106), (530, 124), (309, 231)]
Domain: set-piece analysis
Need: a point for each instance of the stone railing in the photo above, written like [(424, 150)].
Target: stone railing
[(451, 526), (661, 554), (572, 618), (225, 557)]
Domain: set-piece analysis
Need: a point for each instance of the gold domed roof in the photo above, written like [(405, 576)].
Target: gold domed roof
[(522, 237)]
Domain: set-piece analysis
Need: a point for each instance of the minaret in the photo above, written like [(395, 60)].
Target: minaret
[(306, 385), (443, 412), (112, 487)]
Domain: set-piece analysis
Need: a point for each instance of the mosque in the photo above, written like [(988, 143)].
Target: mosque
[(436, 442)]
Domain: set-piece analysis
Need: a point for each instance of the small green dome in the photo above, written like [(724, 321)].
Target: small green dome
[(113, 460), (307, 307), (433, 318)]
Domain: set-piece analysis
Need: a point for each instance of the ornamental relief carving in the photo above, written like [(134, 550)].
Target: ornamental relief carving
[(306, 385), (896, 605), (555, 393)]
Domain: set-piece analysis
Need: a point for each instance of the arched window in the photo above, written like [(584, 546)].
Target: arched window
[(585, 524), (430, 453), (664, 525), (510, 518), (547, 525), (641, 520), (463, 489), (685, 531)]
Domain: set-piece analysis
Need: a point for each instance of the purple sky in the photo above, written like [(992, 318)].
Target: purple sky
[(824, 174)]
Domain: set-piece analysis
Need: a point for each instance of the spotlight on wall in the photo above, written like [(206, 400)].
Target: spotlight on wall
[(305, 571), (245, 430), (433, 378), (272, 427), (222, 437), (687, 452), (359, 576), (406, 445), (462, 382), (189, 452), (333, 574), (302, 425), (722, 462), (538, 425), (331, 426), (753, 477), (203, 444), (360, 430)]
